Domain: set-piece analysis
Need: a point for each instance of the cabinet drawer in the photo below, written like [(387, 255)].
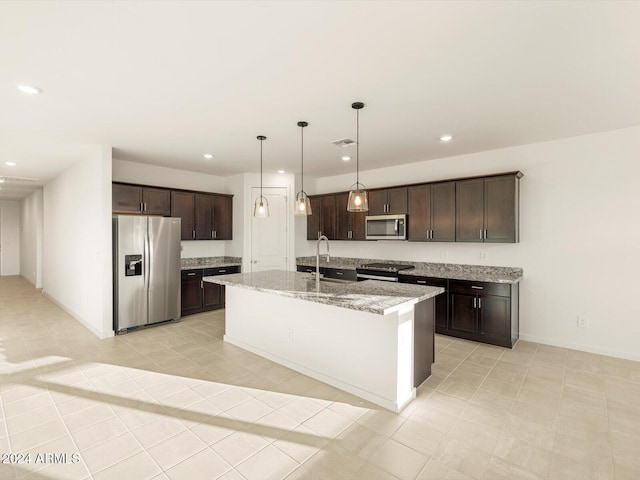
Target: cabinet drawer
[(430, 281), (221, 270), (342, 273), (191, 274), (480, 288)]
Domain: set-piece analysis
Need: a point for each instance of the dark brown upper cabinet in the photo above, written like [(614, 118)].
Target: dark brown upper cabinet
[(387, 201), (322, 220), (213, 215), (349, 225), (137, 199), (183, 206), (487, 209), (431, 213)]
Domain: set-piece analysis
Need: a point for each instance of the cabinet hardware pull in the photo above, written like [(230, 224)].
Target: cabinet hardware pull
[(339, 273), (485, 233), (201, 283), (212, 234), (141, 207), (431, 234), (145, 206), (215, 234), (474, 302), (422, 281), (222, 271), (193, 234), (480, 234), (190, 274), (479, 303), (477, 288)]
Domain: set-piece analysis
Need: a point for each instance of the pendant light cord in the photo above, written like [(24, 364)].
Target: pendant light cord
[(302, 158), (358, 149), (261, 197)]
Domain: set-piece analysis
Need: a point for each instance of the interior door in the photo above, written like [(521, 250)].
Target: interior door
[(269, 235)]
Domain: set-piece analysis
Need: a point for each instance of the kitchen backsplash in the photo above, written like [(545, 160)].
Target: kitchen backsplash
[(202, 248)]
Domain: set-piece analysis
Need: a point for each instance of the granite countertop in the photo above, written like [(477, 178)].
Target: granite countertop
[(209, 262), (477, 273), (370, 296)]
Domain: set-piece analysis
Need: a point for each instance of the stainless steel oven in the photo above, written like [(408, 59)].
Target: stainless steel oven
[(386, 227)]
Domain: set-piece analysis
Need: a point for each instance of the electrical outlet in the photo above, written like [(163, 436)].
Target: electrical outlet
[(443, 254), (582, 322), (290, 335), (483, 255)]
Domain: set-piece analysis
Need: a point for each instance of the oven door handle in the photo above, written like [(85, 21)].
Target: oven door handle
[(367, 276)]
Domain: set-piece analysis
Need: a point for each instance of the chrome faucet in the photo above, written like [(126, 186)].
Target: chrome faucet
[(320, 238)]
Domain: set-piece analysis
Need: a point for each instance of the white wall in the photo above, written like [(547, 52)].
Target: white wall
[(31, 238), (77, 242), (10, 237), (579, 231), (131, 172)]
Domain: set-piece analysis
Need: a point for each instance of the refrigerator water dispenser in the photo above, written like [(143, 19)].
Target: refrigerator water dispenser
[(132, 265)]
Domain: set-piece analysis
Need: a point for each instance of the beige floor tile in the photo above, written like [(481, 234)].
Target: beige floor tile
[(155, 432), (467, 378), (327, 423), (31, 419), (419, 436), (485, 416), (176, 449), (30, 439), (269, 463), (239, 446), (492, 400), (274, 425), (509, 390), (360, 440), (462, 455), (525, 456), (231, 475), (250, 411), (439, 471), (485, 438), (301, 443), (229, 398), (138, 467), (110, 452), (382, 421), (98, 433), (565, 468), (88, 416), (369, 471), (204, 465), (470, 367), (583, 450), (334, 462), (300, 409)]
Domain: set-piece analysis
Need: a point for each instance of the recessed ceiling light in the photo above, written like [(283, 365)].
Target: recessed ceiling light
[(11, 164), (446, 138), (1, 180), (28, 89), (346, 158), (208, 156), (282, 171)]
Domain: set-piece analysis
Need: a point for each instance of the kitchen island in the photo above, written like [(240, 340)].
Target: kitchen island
[(372, 339)]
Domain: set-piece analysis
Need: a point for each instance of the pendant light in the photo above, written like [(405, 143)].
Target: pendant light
[(261, 205), (302, 205), (357, 196)]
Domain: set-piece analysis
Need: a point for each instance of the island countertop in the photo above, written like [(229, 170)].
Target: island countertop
[(370, 296)]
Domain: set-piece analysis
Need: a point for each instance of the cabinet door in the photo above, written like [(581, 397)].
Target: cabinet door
[(470, 210), (182, 205), (494, 317), (358, 225), (419, 223), (126, 198), (442, 300), (377, 202), (500, 209), (463, 312), (191, 296), (157, 201), (343, 217), (328, 213), (397, 200), (212, 296), (222, 218), (204, 217), (313, 220), (443, 212)]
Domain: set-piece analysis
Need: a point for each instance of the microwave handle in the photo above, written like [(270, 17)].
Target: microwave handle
[(395, 229)]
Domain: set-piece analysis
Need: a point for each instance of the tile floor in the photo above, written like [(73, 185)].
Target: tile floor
[(176, 402)]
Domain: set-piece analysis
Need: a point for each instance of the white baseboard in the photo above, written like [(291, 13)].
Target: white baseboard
[(584, 348), (77, 317)]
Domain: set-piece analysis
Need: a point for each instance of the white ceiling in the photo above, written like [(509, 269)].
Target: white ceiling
[(165, 82)]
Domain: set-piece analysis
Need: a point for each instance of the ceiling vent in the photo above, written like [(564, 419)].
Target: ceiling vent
[(343, 142), (18, 180)]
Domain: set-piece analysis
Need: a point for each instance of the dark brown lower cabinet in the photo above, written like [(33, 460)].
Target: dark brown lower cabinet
[(484, 312), (480, 311), (423, 340), (200, 296)]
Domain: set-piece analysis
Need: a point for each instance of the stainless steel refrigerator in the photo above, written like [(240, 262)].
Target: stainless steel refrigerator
[(146, 271)]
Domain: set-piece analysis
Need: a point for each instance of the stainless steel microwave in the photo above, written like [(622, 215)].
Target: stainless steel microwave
[(386, 227)]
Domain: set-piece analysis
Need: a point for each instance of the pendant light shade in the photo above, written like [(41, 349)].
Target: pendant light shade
[(302, 205), (358, 201), (261, 205)]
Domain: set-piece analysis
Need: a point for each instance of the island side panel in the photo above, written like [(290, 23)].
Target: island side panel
[(362, 353)]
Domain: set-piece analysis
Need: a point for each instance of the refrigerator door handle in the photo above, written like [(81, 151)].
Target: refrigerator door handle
[(147, 263)]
